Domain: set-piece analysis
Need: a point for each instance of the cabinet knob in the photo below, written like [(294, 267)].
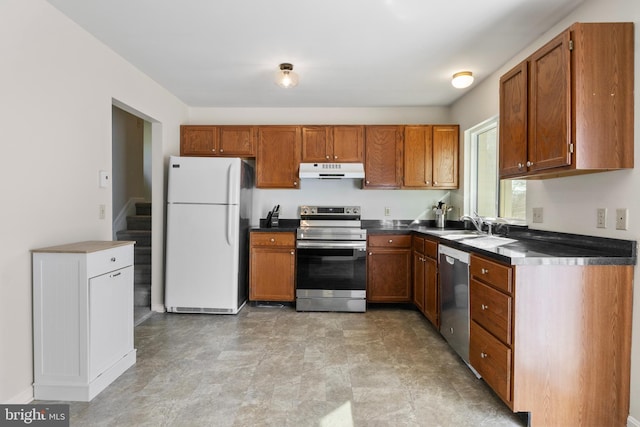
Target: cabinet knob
[(390, 240), (327, 156), (435, 182), (295, 183), (335, 157), (520, 165), (272, 240), (292, 253), (370, 253), (426, 182), (367, 182), (483, 355), (484, 271), (484, 307), (529, 164), (113, 259), (222, 150), (213, 149)]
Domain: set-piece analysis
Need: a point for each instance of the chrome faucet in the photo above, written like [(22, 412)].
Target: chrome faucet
[(477, 222)]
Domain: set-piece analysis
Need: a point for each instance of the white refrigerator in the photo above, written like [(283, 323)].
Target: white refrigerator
[(207, 246)]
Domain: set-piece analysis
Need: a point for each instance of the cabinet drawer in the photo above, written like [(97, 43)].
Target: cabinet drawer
[(417, 244), (273, 239), (431, 249), (112, 259), (491, 309), (491, 359), (497, 275), (390, 241)]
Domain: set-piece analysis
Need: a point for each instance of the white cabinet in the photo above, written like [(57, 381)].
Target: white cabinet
[(82, 318)]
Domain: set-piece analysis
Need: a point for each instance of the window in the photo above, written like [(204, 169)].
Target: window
[(488, 195)]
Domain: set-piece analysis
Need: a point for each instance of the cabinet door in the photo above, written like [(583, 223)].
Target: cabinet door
[(316, 144), (513, 121), (272, 274), (550, 106), (348, 143), (431, 301), (110, 319), (237, 141), (278, 157), (418, 280), (383, 157), (445, 156), (389, 275), (198, 140), (417, 156)]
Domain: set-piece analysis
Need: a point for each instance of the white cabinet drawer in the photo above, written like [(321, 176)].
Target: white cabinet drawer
[(102, 262)]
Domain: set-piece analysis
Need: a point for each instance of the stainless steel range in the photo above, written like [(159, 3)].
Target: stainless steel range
[(331, 249)]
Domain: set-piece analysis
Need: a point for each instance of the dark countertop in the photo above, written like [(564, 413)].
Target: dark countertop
[(530, 247)]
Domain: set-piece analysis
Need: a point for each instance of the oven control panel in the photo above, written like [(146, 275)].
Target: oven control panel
[(333, 211)]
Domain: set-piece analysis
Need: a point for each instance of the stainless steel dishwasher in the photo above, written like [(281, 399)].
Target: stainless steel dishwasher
[(453, 269)]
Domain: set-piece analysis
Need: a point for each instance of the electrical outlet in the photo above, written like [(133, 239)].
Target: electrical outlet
[(537, 215), (102, 212), (622, 219), (601, 218), (387, 211)]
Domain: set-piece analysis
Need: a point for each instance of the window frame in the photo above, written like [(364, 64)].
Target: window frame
[(471, 170)]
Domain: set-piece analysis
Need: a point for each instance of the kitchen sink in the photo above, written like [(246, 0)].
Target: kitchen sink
[(487, 242), (448, 233)]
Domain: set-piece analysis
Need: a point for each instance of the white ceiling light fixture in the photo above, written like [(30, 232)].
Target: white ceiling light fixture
[(286, 77), (462, 79)]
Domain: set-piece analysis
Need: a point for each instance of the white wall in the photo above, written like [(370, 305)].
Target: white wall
[(570, 203), (404, 204), (57, 84)]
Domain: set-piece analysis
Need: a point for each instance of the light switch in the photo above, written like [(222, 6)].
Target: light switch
[(105, 179)]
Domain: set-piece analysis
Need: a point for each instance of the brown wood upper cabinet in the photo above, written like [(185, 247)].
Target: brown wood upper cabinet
[(278, 157), (383, 157), (332, 144), (431, 156), (568, 108), (236, 141)]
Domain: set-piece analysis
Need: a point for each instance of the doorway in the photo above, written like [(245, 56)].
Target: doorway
[(131, 198)]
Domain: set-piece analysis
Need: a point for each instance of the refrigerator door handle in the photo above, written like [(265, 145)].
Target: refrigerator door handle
[(229, 224), (232, 184)]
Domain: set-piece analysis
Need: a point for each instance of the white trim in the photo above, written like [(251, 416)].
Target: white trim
[(120, 221), (22, 398), (160, 308), (632, 422), (469, 168)]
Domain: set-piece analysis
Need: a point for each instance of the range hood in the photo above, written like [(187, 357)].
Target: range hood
[(331, 170)]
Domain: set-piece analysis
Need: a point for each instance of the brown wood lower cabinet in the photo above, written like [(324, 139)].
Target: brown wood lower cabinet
[(272, 266), (554, 340), (389, 268), (425, 278)]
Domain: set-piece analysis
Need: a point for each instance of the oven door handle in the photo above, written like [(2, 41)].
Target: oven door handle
[(304, 244)]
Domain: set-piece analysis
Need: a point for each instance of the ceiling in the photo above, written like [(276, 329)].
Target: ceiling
[(348, 53)]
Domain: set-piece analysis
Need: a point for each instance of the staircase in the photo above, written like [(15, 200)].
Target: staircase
[(139, 230)]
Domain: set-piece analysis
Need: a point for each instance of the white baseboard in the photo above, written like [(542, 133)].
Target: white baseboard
[(160, 308), (632, 422), (23, 398), (120, 221)]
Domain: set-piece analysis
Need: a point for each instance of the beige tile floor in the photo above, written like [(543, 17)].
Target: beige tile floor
[(270, 366)]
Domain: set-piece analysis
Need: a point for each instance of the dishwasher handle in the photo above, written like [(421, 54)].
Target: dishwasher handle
[(453, 253)]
